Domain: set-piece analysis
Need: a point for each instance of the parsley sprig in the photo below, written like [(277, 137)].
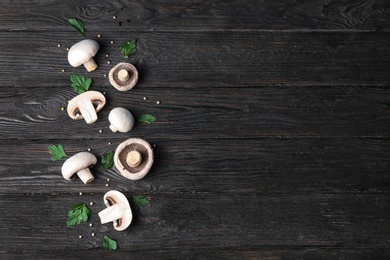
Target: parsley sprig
[(109, 243), (79, 83), (77, 24), (57, 152), (107, 160), (79, 214), (147, 118), (128, 48), (141, 201)]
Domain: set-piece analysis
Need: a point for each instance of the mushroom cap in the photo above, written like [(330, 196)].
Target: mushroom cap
[(82, 52), (123, 85), (121, 120), (97, 98), (76, 163), (131, 144), (115, 197)]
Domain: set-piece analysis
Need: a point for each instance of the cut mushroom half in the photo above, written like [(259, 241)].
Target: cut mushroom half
[(83, 53), (86, 105), (133, 158), (79, 165), (118, 210), (123, 76)]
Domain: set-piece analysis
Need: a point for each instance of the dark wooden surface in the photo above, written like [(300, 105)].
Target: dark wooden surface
[(272, 139)]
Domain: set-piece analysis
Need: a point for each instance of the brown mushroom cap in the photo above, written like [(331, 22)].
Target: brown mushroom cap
[(117, 198), (137, 171), (119, 81), (95, 98)]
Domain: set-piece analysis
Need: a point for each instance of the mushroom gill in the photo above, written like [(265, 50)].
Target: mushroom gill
[(131, 147)]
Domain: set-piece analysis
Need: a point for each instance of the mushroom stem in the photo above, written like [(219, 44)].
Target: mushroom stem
[(85, 175), (87, 110), (113, 128), (110, 214), (134, 158), (123, 75), (90, 65)]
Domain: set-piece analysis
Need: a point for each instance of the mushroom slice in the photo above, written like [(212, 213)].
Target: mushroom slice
[(83, 53), (79, 164), (86, 105), (118, 210), (133, 158), (123, 76)]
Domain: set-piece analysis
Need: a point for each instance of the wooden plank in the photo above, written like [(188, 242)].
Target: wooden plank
[(190, 113), (257, 166), (193, 222), (204, 59), (272, 135), (263, 252), (266, 254), (197, 15)]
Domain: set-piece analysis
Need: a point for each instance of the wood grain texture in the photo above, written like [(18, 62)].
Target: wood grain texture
[(197, 15), (192, 113), (271, 140), (267, 253), (303, 166), (204, 59), (240, 223)]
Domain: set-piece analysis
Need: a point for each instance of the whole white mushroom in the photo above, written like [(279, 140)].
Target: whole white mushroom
[(83, 53), (79, 165), (121, 120), (133, 158), (123, 76)]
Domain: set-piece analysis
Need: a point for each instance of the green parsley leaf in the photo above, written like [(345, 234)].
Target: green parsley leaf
[(109, 243), (79, 83), (147, 118), (57, 152), (78, 214), (141, 201), (128, 48), (107, 160), (78, 25)]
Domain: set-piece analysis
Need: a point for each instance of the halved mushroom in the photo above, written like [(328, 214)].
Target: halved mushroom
[(123, 76), (86, 105), (118, 210), (133, 158), (83, 53), (79, 164)]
